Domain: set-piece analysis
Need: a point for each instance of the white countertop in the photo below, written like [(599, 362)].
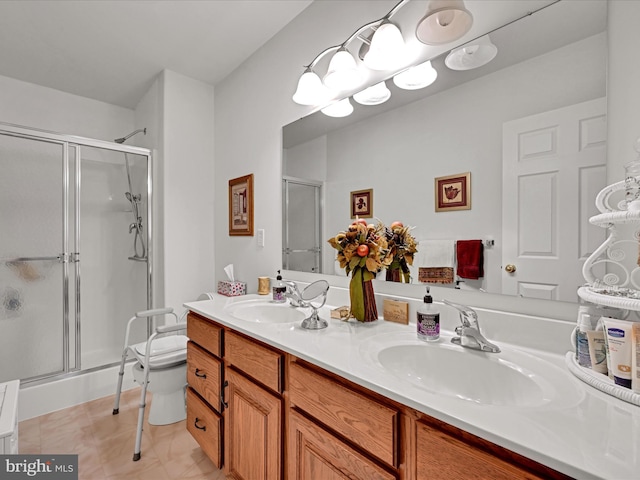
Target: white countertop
[(587, 434)]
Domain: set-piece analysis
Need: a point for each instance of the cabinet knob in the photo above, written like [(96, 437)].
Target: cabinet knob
[(199, 374), (510, 268)]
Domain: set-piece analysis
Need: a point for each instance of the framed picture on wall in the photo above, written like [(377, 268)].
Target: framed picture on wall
[(241, 205), (362, 203), (453, 192)]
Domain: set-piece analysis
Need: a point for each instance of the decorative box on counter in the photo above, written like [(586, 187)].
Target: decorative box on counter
[(232, 288)]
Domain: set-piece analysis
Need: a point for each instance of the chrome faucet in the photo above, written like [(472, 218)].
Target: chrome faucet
[(292, 293), (469, 335)]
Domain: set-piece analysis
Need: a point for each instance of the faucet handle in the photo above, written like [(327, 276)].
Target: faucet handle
[(468, 315)]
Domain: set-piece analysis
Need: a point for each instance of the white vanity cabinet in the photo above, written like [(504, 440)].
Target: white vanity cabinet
[(9, 417)]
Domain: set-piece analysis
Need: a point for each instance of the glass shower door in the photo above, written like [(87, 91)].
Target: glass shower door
[(301, 226), (34, 273)]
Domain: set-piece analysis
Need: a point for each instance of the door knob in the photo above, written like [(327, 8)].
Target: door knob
[(510, 268)]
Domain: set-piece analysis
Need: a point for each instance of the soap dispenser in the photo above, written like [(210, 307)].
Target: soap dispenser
[(428, 320), (279, 289)]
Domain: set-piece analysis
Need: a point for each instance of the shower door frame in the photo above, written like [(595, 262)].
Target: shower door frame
[(316, 250), (67, 257)]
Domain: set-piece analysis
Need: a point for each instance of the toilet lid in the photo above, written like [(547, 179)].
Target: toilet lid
[(164, 350)]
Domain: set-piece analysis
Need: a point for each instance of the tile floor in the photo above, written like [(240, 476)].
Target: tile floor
[(105, 442)]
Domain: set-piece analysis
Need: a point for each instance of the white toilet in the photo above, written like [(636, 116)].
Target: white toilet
[(167, 378)]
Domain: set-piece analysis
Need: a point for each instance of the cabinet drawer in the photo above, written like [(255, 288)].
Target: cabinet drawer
[(316, 454), (455, 459), (257, 361), (204, 374), (205, 333), (205, 426), (364, 421)]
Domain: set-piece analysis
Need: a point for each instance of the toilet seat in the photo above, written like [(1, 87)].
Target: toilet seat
[(165, 351)]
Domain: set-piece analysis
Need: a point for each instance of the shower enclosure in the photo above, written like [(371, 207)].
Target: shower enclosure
[(75, 251)]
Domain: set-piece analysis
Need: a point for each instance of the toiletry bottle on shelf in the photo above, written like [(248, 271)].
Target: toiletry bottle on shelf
[(428, 320), (279, 290), (582, 342)]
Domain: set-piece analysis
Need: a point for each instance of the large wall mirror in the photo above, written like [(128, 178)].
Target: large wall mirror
[(529, 127)]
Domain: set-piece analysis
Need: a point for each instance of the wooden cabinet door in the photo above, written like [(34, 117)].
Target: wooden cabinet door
[(315, 454), (253, 430), (439, 455)]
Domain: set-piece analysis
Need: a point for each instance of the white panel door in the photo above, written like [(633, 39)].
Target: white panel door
[(554, 164)]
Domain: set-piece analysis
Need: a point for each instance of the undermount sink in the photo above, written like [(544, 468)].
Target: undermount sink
[(265, 311), (510, 378)]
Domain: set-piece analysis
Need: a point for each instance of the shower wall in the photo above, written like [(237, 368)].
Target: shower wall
[(113, 287)]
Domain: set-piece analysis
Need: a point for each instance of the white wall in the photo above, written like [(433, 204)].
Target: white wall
[(623, 91), (44, 108), (307, 161), (187, 188)]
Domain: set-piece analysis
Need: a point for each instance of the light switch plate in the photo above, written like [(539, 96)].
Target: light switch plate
[(260, 237)]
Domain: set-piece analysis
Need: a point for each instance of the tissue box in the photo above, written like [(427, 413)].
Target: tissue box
[(232, 289)]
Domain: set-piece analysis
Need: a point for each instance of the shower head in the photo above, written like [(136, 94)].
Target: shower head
[(124, 139)]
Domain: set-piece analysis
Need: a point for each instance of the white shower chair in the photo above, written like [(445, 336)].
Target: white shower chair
[(161, 353)]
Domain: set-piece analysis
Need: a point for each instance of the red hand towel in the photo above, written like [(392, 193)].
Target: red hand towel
[(470, 256)]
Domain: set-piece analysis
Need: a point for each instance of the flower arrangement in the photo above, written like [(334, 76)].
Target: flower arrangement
[(402, 247), (362, 251), (362, 245)]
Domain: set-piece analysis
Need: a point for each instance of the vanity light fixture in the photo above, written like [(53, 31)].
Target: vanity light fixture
[(310, 89), (472, 55), (416, 77), (387, 49), (444, 22), (383, 48), (342, 108), (374, 95), (343, 72)]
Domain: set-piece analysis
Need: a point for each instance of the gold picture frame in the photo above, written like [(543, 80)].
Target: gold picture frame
[(453, 192), (362, 203), (241, 206)]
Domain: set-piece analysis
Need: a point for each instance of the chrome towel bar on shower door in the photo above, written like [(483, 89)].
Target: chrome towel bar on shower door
[(63, 257)]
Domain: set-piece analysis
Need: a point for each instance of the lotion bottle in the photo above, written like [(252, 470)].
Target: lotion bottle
[(428, 320), (279, 290), (582, 342)]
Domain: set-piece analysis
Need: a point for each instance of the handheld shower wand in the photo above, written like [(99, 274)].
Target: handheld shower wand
[(136, 226)]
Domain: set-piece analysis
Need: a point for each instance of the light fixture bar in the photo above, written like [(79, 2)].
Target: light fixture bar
[(356, 34)]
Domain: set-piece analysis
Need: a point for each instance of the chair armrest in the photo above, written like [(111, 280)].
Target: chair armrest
[(156, 311), (171, 328)]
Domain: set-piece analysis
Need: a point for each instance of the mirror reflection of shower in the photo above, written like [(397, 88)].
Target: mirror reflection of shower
[(139, 248)]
